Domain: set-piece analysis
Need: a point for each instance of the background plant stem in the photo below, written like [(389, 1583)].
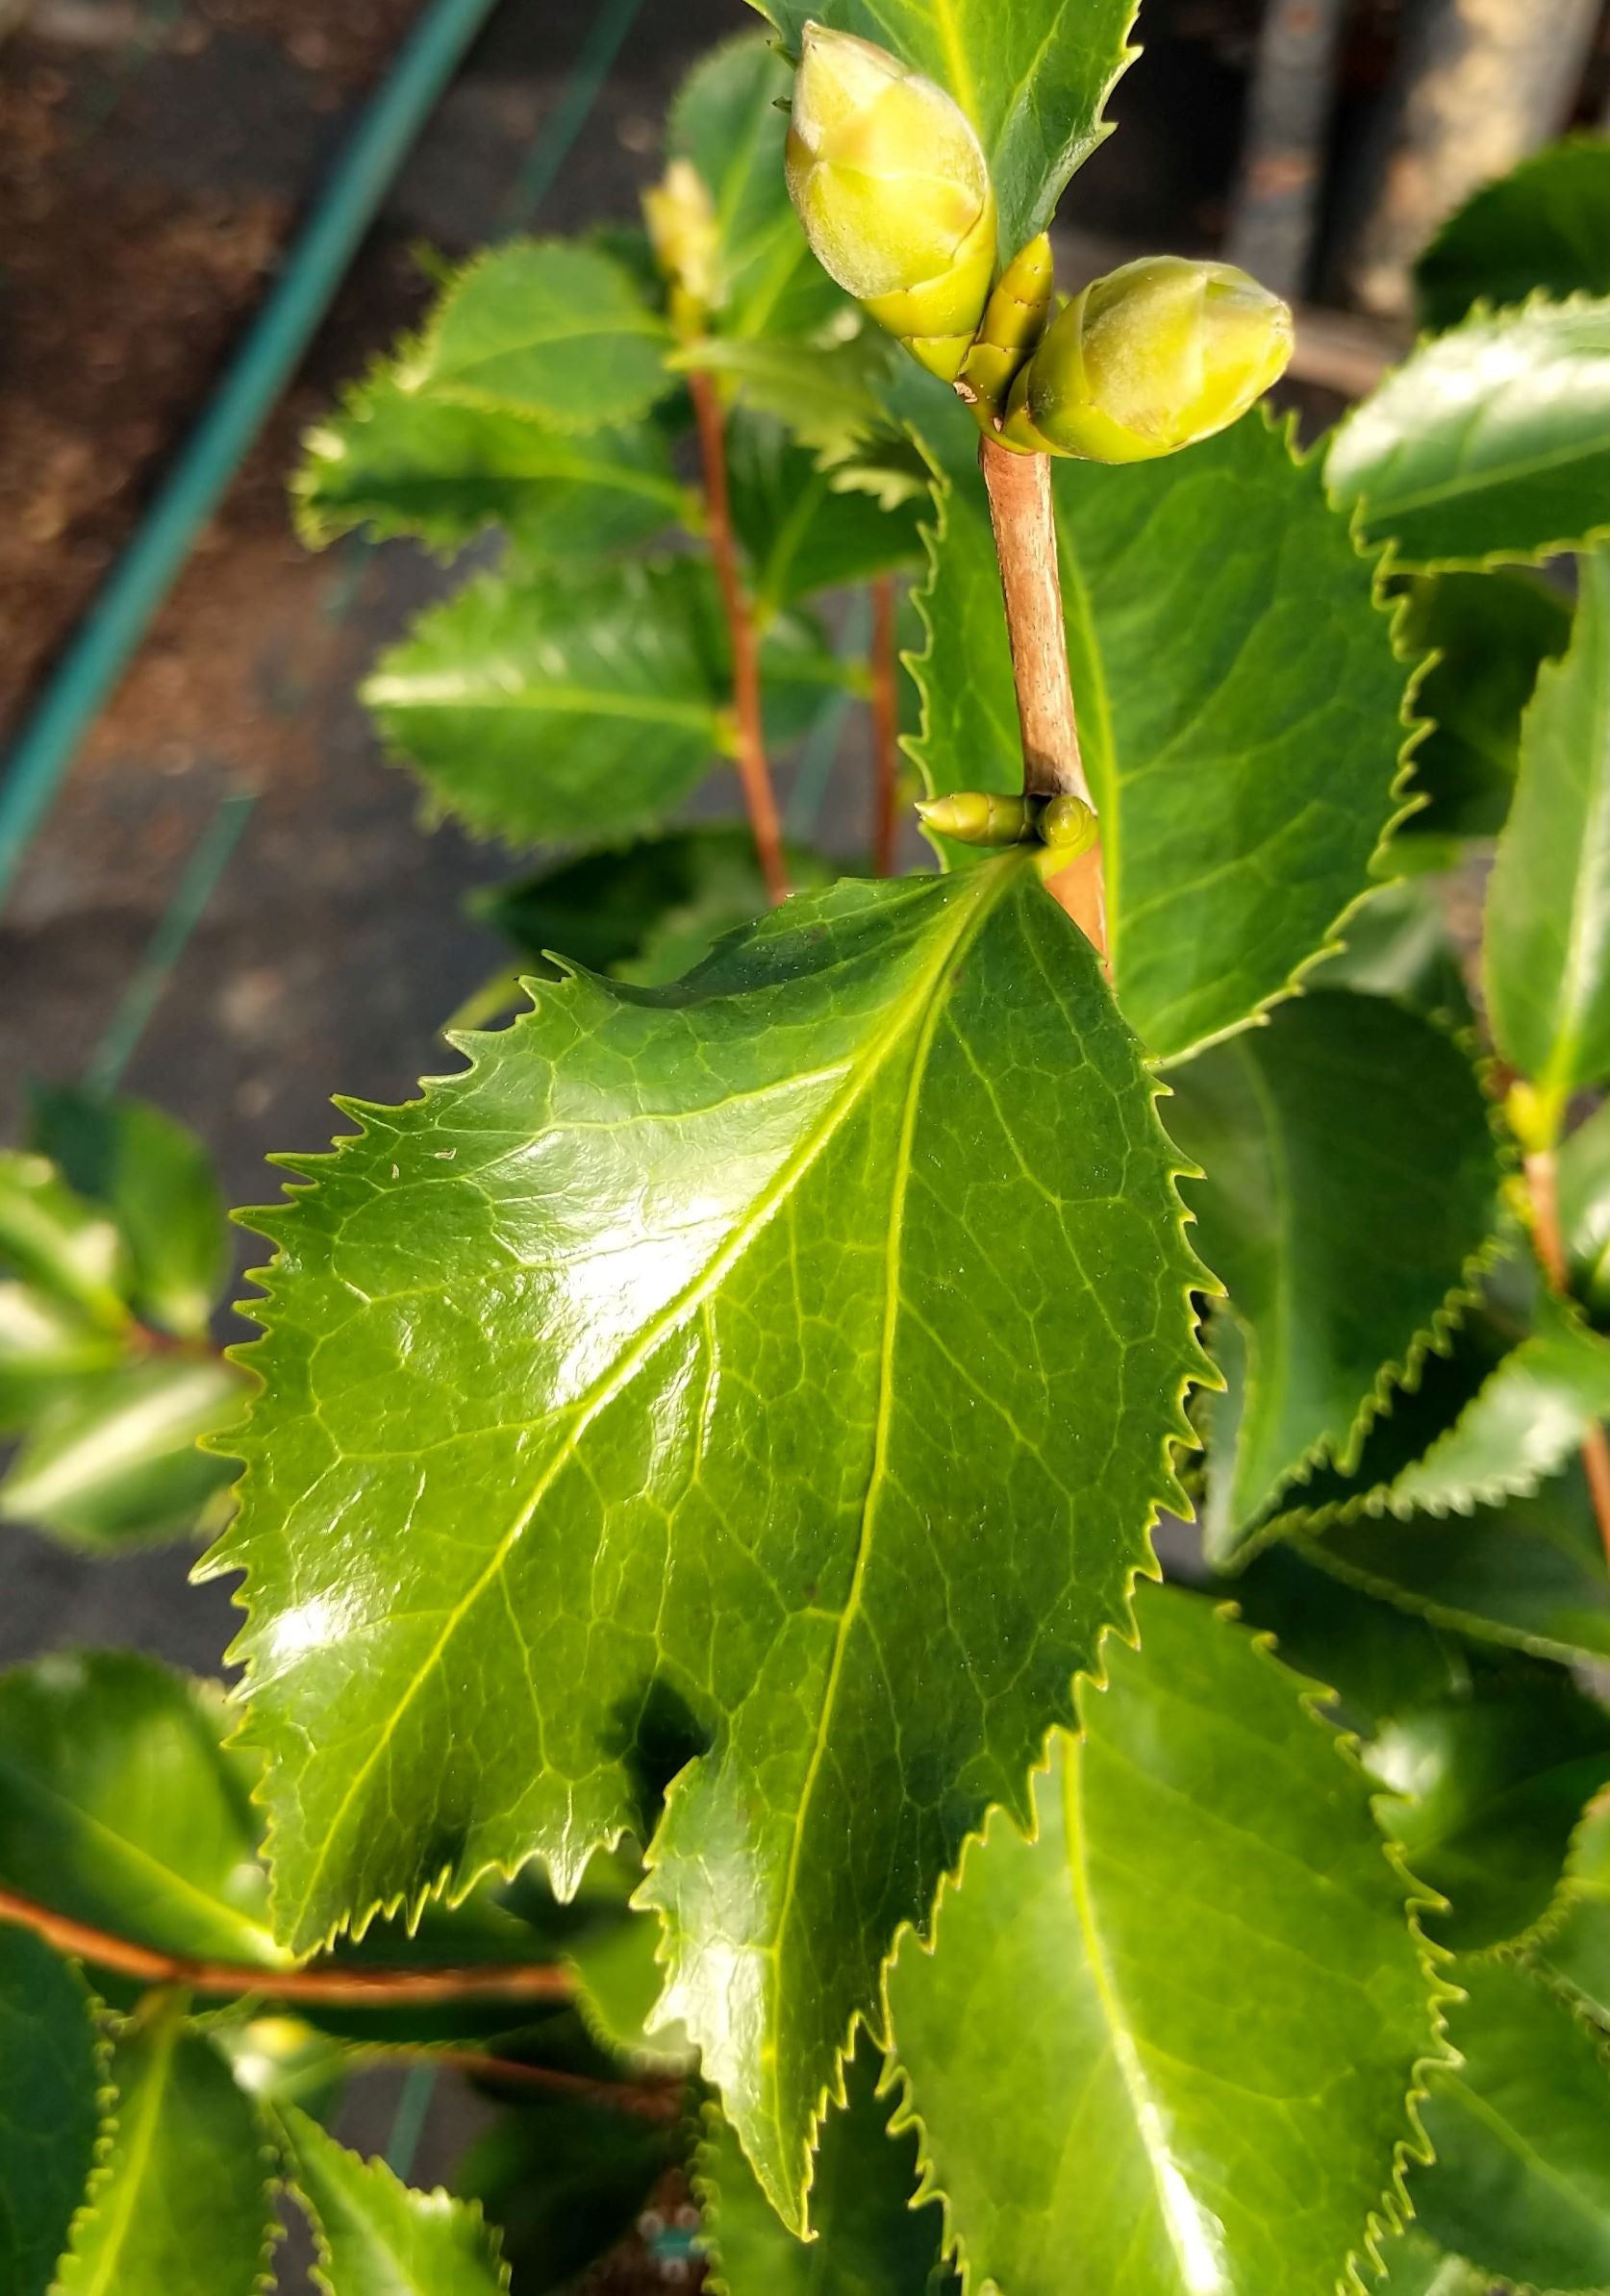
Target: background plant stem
[(753, 770), (1023, 518), (886, 721), (1542, 1185)]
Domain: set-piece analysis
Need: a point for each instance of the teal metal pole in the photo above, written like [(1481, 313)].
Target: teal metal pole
[(121, 614)]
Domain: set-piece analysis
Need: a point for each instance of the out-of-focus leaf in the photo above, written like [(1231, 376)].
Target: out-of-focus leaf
[(541, 328), (50, 2081), (117, 1460), (1093, 2098), (1380, 1660), (52, 1237), (563, 2179), (825, 393), (157, 1180), (1412, 2265), (1583, 1174), (398, 462), (1574, 1950), (1396, 944), (46, 1347), (1544, 225), (183, 2202), (802, 533), (1490, 443), (1521, 2182), (1341, 1242), (1493, 633), (119, 1806), (375, 2237), (1547, 944)]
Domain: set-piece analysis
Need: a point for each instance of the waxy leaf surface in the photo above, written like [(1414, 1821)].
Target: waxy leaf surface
[(1546, 945), (50, 2082), (375, 2237), (1099, 2104), (1521, 2130), (1489, 443), (1339, 1241), (1239, 709), (1032, 76), (183, 2200), (687, 1367), (1544, 226), (120, 1808)]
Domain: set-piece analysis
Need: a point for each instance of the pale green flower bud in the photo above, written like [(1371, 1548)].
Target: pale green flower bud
[(685, 237), (1156, 356), (894, 191)]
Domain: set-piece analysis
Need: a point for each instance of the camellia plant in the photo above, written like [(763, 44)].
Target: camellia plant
[(702, 1675)]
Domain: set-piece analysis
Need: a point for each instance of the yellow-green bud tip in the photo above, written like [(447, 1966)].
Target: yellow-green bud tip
[(1156, 356), (892, 186), (979, 817), (684, 231)]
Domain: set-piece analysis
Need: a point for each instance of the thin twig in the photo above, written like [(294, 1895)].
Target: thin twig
[(1542, 1185), (654, 2101), (753, 770), (543, 1981), (1024, 517), (885, 722)]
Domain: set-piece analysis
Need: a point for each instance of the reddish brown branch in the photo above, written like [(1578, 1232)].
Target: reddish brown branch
[(654, 2101), (885, 722), (1542, 1185), (533, 1982), (753, 770), (1024, 517)]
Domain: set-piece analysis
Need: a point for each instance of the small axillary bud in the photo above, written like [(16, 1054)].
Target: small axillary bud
[(685, 237), (1154, 357), (892, 186), (1015, 319), (990, 817)]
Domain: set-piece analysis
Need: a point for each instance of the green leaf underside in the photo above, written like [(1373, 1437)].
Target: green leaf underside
[(1492, 634), (114, 1459), (49, 2107), (1530, 1575), (120, 1808), (376, 2236), (1338, 1240), (1379, 1660), (558, 332), (1239, 713), (182, 2201), (870, 2241), (1484, 1794), (400, 463), (1574, 1951), (730, 120), (1492, 442), (1130, 2123), (1032, 75), (1545, 225), (653, 1373), (1547, 946), (1521, 2182)]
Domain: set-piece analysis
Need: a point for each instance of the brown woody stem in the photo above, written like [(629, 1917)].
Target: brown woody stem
[(654, 2101), (531, 1981), (885, 722), (1024, 522), (753, 770), (1543, 1186)]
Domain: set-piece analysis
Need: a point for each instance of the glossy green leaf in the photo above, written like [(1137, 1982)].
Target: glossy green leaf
[(801, 531), (546, 329), (119, 1806), (1396, 943), (1546, 224), (46, 1348), (1575, 1948), (395, 462), (1492, 634), (1547, 947), (50, 2081), (730, 119), (1490, 443), (640, 1349), (870, 2240), (1239, 703), (1521, 2182), (1341, 1241), (1530, 1574), (156, 1182), (52, 1237), (1582, 1169), (645, 912), (182, 2201), (375, 2237), (1032, 75), (1483, 1794), (1168, 2045), (115, 1461)]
